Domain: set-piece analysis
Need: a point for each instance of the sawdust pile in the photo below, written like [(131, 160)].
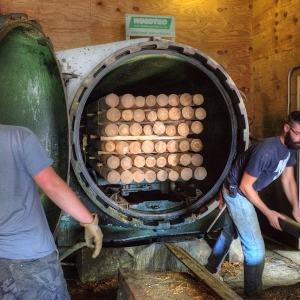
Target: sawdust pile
[(233, 269), (104, 290), (288, 292)]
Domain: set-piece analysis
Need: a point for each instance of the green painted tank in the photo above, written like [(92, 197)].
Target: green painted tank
[(32, 93)]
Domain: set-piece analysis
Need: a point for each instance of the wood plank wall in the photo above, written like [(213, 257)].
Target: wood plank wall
[(221, 29), (276, 50)]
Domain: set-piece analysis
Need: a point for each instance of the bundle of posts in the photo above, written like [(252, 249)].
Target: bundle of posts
[(136, 139)]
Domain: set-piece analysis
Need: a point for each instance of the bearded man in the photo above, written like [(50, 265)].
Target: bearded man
[(253, 170)]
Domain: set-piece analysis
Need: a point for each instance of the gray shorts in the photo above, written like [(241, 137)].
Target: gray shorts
[(36, 279)]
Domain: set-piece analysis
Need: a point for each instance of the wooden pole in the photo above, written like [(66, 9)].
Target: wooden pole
[(198, 99), (126, 101), (187, 112), (196, 145), (150, 161), (160, 146), (185, 159), (184, 172), (127, 115), (162, 114), (147, 129), (106, 102), (126, 175), (112, 176), (104, 130), (135, 129), (110, 160), (124, 130), (190, 144), (125, 162), (200, 113), (199, 173), (135, 147), (151, 115), (109, 146), (196, 127), (139, 101), (150, 175), (150, 101), (197, 160), (161, 174), (173, 100), (170, 130), (172, 175), (161, 161), (172, 146), (174, 114), (172, 159), (112, 115), (289, 225), (162, 100), (185, 99), (138, 115), (103, 146), (148, 146), (183, 129), (137, 174), (138, 160), (159, 128), (122, 147), (184, 145)]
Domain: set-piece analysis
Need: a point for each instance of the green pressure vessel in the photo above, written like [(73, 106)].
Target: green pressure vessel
[(32, 93)]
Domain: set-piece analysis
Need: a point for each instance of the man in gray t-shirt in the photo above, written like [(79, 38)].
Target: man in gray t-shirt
[(29, 265)]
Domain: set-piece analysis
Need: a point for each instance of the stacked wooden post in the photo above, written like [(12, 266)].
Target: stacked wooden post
[(135, 139)]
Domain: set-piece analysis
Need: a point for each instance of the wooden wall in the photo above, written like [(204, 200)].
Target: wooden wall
[(221, 29), (276, 50)]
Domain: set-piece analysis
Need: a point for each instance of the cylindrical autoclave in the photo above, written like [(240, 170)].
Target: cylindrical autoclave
[(172, 203), (151, 71)]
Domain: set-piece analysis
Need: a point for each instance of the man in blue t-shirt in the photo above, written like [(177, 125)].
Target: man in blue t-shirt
[(256, 168), (29, 264)]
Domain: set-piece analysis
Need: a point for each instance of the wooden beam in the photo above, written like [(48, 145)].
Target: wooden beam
[(217, 287)]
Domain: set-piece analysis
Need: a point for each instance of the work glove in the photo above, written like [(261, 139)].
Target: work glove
[(93, 233)]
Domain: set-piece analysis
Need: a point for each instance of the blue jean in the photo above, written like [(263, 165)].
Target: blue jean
[(245, 219)]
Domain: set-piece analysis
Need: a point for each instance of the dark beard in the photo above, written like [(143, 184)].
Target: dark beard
[(289, 142)]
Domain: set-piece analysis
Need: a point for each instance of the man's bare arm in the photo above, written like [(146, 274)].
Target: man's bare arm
[(246, 187), (62, 195), (290, 189)]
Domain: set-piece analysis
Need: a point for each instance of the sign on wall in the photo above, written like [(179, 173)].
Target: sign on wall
[(150, 26)]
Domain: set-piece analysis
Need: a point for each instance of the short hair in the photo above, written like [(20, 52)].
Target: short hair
[(294, 118)]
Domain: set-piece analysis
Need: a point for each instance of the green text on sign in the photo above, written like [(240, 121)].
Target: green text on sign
[(149, 25)]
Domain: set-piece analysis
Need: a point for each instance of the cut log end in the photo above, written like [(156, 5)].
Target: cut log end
[(173, 100), (200, 173), (200, 113), (198, 99), (162, 100), (185, 99), (127, 100), (150, 101)]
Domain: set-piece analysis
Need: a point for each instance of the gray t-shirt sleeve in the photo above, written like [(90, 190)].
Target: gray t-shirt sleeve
[(35, 157)]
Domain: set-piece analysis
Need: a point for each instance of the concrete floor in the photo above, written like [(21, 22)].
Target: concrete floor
[(282, 270)]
